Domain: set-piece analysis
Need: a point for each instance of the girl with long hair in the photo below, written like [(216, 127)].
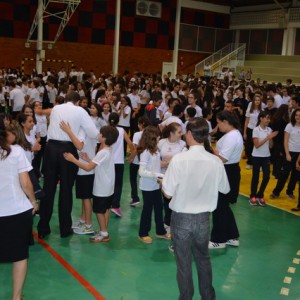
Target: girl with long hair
[(170, 145), (253, 110), (150, 171), (17, 206), (262, 140)]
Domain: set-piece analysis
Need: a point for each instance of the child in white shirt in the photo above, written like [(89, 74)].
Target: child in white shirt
[(104, 179)]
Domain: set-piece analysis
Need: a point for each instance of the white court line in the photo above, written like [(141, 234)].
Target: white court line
[(284, 291), (291, 270), (296, 261), (287, 280)]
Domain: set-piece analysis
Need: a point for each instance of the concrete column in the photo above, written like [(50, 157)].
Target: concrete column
[(115, 66), (176, 39), (39, 44), (290, 47)]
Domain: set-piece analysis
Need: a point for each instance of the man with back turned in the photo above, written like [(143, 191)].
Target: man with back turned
[(193, 180), (57, 169)]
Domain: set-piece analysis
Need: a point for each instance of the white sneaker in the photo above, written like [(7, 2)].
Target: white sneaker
[(212, 245), (84, 230), (78, 224), (167, 228), (248, 167), (233, 242)]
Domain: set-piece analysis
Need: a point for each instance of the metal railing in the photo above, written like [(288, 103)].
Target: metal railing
[(230, 56)]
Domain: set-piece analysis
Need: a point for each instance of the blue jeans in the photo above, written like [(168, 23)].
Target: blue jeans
[(190, 237)]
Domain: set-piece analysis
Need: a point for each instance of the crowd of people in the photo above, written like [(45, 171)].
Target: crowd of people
[(77, 129)]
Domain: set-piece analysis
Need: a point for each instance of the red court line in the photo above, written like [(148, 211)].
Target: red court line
[(69, 268)]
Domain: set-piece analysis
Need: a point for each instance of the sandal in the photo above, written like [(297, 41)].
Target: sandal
[(146, 239), (295, 209), (166, 236)]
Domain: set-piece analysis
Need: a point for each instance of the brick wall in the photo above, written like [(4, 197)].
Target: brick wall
[(95, 57)]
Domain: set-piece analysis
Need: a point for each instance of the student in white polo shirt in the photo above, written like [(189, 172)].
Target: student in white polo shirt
[(262, 140)]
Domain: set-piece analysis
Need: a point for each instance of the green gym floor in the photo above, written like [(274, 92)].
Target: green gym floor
[(265, 266)]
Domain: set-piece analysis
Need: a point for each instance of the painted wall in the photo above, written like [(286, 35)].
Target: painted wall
[(89, 36)]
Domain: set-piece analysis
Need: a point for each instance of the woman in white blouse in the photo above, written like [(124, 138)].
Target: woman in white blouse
[(17, 205)]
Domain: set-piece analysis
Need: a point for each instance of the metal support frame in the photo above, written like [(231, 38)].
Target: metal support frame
[(64, 15)]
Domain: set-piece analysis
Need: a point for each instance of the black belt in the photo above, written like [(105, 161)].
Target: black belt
[(59, 142)]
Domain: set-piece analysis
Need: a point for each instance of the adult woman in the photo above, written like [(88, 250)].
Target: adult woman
[(292, 151), (229, 149), (15, 209), (170, 145)]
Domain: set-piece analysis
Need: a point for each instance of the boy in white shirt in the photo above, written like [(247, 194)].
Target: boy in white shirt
[(104, 179), (193, 103)]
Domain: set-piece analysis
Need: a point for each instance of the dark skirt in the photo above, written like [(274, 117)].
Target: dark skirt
[(15, 235)]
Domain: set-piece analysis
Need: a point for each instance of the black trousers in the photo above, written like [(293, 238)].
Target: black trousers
[(37, 160), (167, 210), (133, 175), (119, 170), (264, 163), (224, 224), (152, 201), (58, 169), (249, 145), (287, 168)]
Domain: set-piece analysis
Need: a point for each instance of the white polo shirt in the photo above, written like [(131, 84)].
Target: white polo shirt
[(230, 146), (168, 149), (135, 100), (193, 180), (118, 147), (13, 199), (135, 140), (253, 116), (198, 111), (89, 147), (294, 137), (34, 95), (18, 96), (104, 181), (278, 101), (261, 134), (125, 121)]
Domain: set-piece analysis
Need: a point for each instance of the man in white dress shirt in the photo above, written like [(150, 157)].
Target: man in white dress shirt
[(59, 169), (193, 180)]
